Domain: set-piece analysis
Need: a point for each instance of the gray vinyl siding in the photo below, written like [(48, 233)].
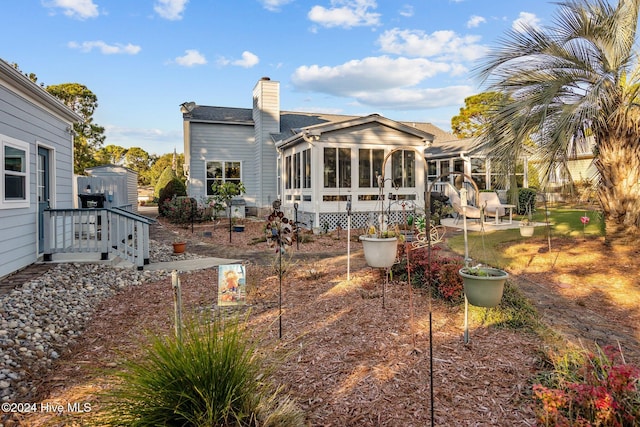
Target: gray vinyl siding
[(121, 181), (223, 142), (268, 171), (32, 124)]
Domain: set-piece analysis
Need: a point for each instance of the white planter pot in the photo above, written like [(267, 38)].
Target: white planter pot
[(526, 230), (379, 252)]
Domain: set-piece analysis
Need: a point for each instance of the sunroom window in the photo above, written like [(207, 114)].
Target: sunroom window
[(369, 167), (403, 168), (337, 167)]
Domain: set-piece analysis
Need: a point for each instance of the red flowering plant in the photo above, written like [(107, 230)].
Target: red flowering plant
[(591, 390), (444, 280)]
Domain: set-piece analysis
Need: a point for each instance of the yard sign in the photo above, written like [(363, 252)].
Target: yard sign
[(231, 284)]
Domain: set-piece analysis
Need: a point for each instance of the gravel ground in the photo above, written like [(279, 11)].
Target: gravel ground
[(43, 316)]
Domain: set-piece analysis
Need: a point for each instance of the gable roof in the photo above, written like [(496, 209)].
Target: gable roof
[(294, 123), (298, 134), (21, 84), (451, 147), (207, 114)]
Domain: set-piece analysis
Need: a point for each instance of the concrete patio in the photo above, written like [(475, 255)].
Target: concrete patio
[(476, 225)]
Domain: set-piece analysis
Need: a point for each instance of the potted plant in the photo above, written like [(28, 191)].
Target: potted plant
[(238, 227), (380, 246), (179, 246), (526, 227), (483, 286)]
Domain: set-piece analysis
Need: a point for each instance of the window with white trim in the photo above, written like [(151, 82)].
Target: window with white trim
[(369, 167), (15, 173), (220, 172), (306, 168), (337, 167), (403, 168)]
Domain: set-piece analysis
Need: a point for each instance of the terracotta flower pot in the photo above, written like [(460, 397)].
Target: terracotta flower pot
[(179, 247)]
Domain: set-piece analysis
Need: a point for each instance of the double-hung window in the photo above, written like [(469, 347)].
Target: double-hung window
[(221, 172), (15, 173)]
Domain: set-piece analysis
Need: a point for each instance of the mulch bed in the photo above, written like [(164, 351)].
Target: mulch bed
[(352, 353)]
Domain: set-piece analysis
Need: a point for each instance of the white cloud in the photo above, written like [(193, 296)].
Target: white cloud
[(406, 11), (346, 14), (274, 5), (357, 77), (475, 21), (417, 98), (525, 19), (383, 83), (190, 58), (79, 9), (443, 44), (248, 60), (170, 9), (105, 48)]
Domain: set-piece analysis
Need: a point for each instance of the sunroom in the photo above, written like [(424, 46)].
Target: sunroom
[(322, 168)]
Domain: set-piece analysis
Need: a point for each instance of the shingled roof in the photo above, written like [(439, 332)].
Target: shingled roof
[(291, 122)]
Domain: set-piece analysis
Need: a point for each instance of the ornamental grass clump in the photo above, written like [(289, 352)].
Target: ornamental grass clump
[(589, 389), (211, 377)]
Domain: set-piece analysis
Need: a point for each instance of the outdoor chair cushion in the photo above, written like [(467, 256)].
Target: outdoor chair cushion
[(490, 201), (471, 211)]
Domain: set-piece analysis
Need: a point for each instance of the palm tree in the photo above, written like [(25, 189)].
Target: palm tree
[(581, 72)]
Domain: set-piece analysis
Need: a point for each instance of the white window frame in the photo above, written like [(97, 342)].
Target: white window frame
[(207, 188), (22, 146)]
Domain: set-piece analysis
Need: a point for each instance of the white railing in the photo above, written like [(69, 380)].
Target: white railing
[(448, 190), (101, 231)]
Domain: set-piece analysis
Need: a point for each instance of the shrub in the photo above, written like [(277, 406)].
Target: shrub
[(174, 188), (209, 377), (181, 210), (588, 389), (165, 177), (445, 281)]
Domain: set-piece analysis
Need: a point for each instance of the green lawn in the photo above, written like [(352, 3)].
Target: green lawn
[(486, 247)]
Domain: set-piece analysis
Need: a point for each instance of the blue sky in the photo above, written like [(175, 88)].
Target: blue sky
[(407, 60)]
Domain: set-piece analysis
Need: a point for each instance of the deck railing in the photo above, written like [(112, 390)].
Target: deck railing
[(113, 231)]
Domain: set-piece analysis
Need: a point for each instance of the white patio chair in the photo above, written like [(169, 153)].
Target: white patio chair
[(472, 212)]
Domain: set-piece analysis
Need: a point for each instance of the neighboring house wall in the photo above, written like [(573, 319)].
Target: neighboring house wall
[(118, 184), (225, 143), (30, 119), (582, 170)]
